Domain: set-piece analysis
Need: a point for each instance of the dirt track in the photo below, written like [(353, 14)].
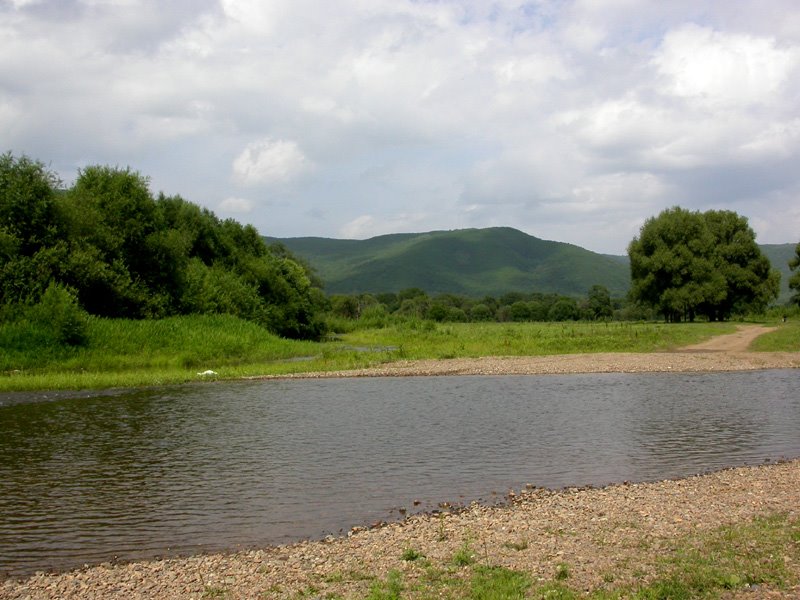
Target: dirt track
[(734, 342)]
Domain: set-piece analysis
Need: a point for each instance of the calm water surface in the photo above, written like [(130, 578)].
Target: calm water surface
[(221, 466)]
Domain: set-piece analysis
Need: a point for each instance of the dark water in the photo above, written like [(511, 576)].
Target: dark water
[(221, 466)]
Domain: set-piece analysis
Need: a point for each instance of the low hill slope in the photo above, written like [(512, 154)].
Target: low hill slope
[(473, 262), (780, 255)]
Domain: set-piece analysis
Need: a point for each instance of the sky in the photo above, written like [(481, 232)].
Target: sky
[(571, 120)]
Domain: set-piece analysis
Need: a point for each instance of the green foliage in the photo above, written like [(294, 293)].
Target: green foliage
[(464, 556), (390, 589), (565, 309), (686, 263), (599, 302), (127, 254), (794, 281), (59, 311), (27, 192), (729, 558), (27, 228), (348, 313), (498, 583), (45, 331), (410, 554)]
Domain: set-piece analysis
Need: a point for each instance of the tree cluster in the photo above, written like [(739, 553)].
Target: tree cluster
[(511, 307), (686, 263), (121, 252)]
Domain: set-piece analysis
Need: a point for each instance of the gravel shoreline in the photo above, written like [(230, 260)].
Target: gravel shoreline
[(620, 362), (592, 530)]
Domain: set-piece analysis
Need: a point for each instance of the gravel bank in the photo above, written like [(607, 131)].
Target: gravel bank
[(594, 531), (695, 361)]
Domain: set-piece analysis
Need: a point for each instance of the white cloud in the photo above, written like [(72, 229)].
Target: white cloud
[(367, 226), (269, 161), (722, 70), (543, 115), (236, 205)]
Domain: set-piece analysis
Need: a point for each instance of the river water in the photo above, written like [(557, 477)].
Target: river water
[(230, 465)]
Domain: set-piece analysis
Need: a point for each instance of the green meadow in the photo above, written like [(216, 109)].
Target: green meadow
[(127, 353)]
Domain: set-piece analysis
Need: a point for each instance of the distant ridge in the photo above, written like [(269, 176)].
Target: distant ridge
[(472, 262), (780, 255)]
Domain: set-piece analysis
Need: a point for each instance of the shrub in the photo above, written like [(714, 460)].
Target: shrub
[(60, 312)]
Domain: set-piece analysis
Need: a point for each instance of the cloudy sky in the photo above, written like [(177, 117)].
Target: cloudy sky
[(571, 120)]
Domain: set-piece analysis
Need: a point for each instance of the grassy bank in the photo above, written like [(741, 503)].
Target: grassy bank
[(785, 339), (124, 353)]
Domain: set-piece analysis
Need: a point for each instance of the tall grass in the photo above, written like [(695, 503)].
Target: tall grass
[(417, 340), (122, 353)]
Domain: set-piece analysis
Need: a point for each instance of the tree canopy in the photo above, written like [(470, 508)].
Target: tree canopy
[(686, 263), (794, 282), (124, 253)]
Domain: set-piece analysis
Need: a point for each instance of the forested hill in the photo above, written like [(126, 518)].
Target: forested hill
[(472, 262), (780, 255)]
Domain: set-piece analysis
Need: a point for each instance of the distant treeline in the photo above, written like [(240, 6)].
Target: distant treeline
[(516, 306), (108, 247)]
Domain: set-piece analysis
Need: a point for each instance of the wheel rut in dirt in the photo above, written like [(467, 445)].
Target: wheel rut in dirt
[(732, 342)]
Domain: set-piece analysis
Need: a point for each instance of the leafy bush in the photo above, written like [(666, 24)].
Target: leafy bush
[(59, 312)]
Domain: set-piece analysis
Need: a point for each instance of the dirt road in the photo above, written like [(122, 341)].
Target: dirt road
[(734, 342)]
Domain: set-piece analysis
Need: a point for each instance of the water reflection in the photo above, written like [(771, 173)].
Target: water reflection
[(221, 465)]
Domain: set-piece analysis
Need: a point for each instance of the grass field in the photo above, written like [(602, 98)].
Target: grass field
[(786, 339), (125, 353)]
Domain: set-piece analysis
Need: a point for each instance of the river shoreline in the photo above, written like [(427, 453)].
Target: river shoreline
[(686, 361), (593, 530)]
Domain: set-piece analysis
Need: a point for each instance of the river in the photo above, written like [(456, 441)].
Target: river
[(86, 478)]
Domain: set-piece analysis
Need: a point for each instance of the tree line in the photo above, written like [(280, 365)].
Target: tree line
[(415, 303), (107, 246)]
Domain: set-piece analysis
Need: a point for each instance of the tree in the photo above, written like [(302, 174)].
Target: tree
[(794, 282), (599, 302), (28, 229), (563, 309), (686, 263), (27, 198)]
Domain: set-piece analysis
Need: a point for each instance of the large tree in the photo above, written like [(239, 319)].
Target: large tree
[(686, 263), (794, 282), (28, 228)]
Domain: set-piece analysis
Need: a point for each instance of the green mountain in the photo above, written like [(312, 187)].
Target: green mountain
[(780, 255), (471, 262)]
